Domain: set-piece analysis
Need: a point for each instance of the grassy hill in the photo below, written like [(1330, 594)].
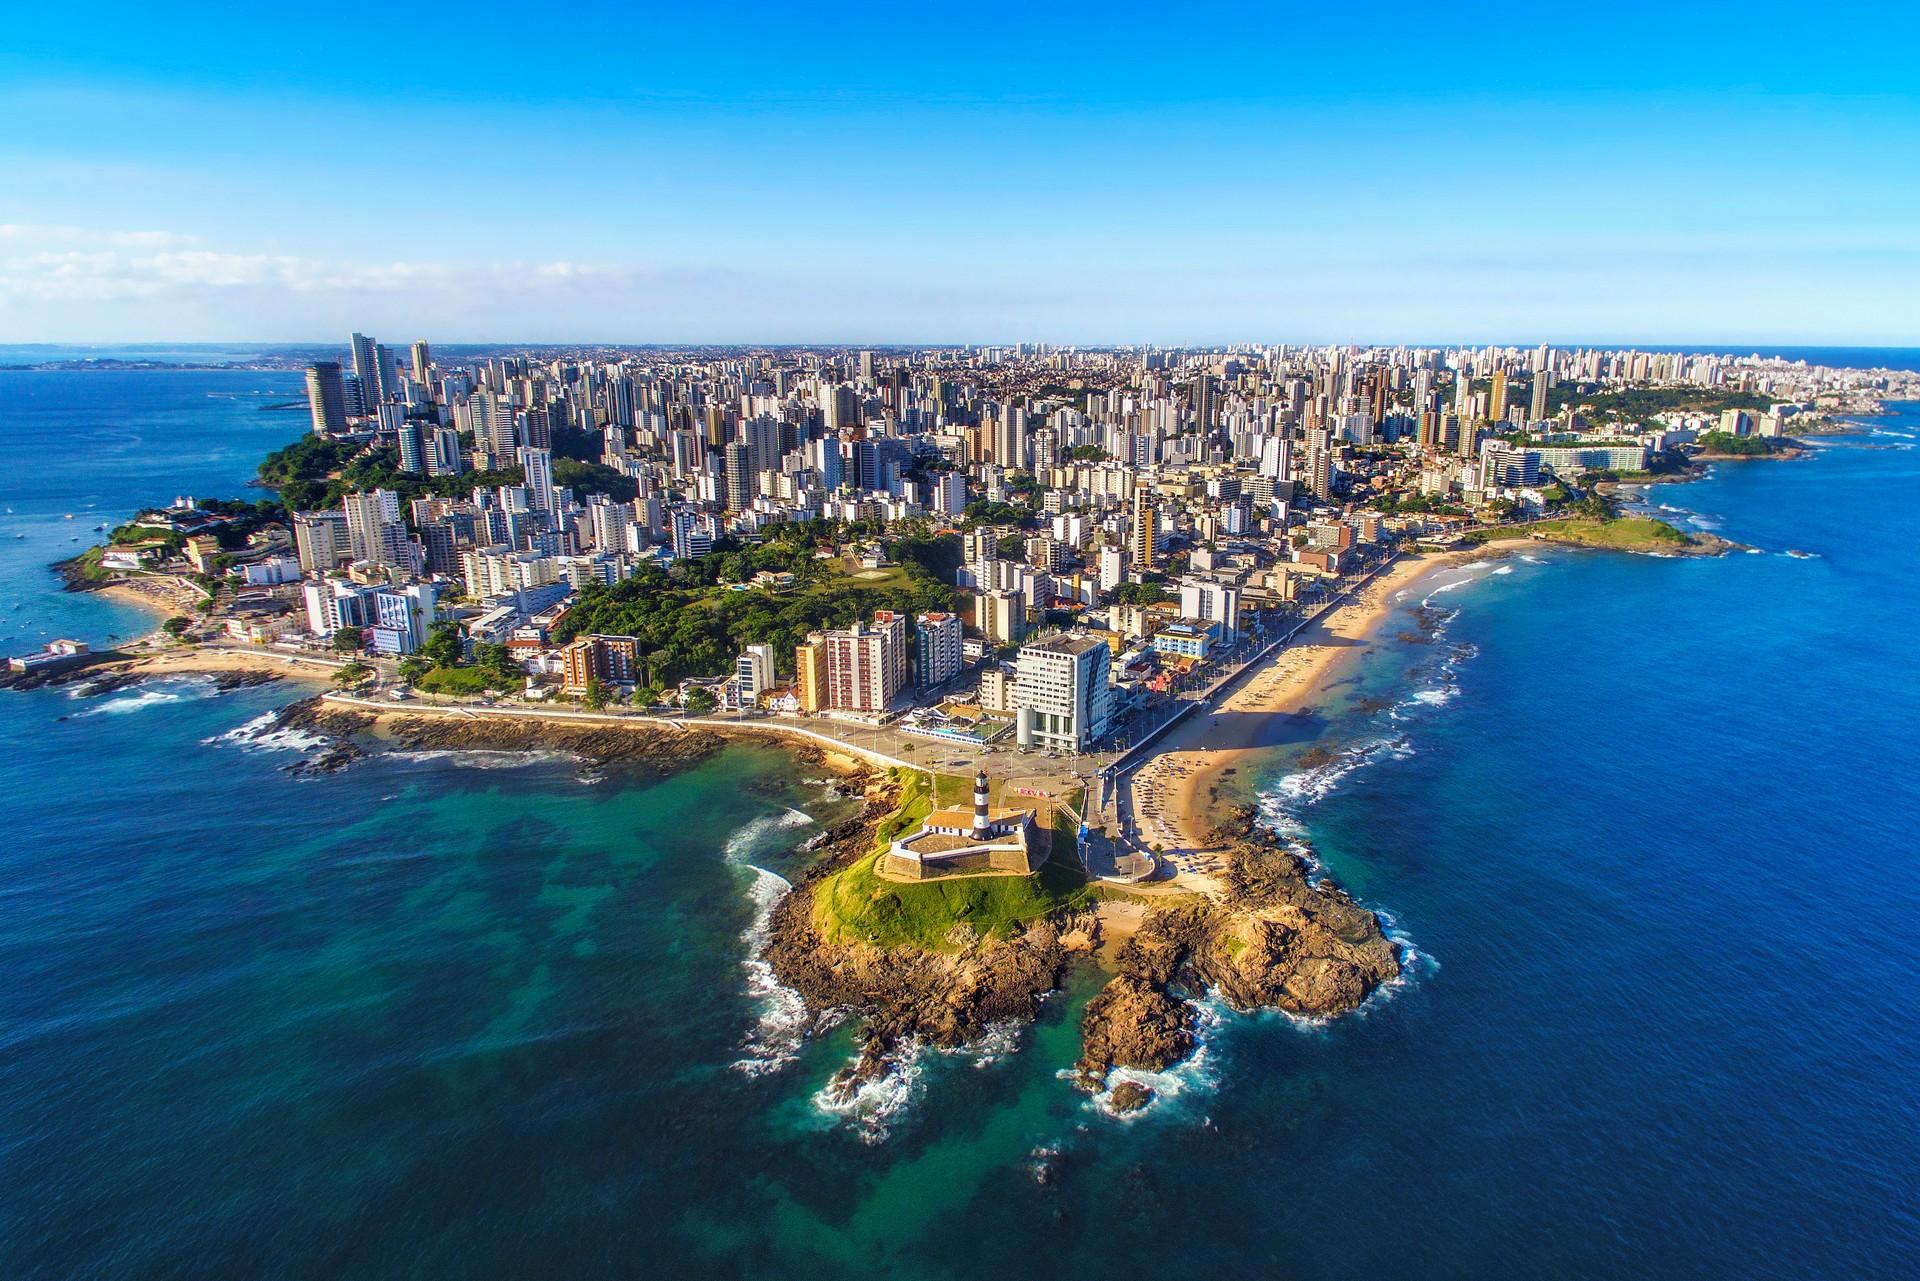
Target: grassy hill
[(1621, 533), (855, 905)]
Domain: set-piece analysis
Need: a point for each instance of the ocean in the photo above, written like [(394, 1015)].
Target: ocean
[(1643, 823)]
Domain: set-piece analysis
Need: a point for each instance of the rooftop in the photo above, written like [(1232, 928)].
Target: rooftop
[(1065, 643)]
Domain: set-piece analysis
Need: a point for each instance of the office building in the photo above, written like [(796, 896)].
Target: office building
[(1061, 700)]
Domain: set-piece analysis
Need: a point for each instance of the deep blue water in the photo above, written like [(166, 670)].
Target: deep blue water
[(1646, 822)]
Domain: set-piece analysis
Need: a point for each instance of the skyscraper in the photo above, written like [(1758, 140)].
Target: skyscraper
[(1497, 399), (1146, 527), (422, 361), (537, 467), (739, 465), (326, 397), (1537, 410), (366, 367)]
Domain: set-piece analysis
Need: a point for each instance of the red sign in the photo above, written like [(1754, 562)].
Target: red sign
[(1032, 791)]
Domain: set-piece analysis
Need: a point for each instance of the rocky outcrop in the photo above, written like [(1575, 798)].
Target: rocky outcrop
[(902, 994), (1133, 1023), (104, 671), (642, 746), (1273, 940)]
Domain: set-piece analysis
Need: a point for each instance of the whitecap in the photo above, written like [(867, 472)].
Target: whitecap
[(155, 693), (1448, 587), (873, 1106), (1174, 1088), (264, 733), (483, 758), (781, 1024), (1504, 569)]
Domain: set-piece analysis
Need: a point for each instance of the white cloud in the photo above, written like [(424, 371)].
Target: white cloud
[(47, 264)]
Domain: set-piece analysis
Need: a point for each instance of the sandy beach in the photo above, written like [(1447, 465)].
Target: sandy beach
[(164, 596), (1172, 793)]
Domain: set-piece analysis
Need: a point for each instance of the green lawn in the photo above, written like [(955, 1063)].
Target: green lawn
[(1624, 533), (467, 681), (847, 573), (854, 904)]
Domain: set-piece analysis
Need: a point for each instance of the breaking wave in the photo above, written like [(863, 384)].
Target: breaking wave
[(264, 733), (871, 1107), (1175, 1089), (157, 692), (780, 1027)]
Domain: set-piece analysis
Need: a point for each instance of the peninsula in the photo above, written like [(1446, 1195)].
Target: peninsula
[(1032, 604)]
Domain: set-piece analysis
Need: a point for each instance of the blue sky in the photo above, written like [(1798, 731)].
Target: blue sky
[(876, 173)]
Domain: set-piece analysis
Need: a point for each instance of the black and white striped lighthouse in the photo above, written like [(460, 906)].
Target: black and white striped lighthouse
[(980, 824)]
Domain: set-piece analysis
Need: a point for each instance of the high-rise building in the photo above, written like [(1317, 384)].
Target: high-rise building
[(1537, 410), (366, 369), (739, 467), (867, 666), (536, 465), (753, 672), (374, 531), (1060, 693), (1002, 616), (1146, 527), (320, 540), (413, 453), (1010, 438), (810, 673), (1212, 603), (1497, 398), (611, 660), (422, 361), (936, 649), (326, 397)]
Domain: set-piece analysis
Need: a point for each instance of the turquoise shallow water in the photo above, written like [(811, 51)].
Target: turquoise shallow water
[(1645, 821)]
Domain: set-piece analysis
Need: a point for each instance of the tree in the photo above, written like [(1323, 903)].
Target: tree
[(699, 701), (596, 695), (647, 696), (351, 673), (177, 625), (349, 639), (443, 648), (1012, 547), (413, 667)]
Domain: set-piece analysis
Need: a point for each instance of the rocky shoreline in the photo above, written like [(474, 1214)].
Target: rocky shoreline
[(351, 733), (903, 995), (1275, 941), (106, 670)]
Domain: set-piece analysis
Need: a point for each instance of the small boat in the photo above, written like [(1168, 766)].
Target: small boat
[(68, 516)]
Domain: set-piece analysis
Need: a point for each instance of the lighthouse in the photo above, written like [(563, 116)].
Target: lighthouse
[(981, 826)]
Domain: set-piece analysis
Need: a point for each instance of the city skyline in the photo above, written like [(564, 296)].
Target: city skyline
[(1089, 178)]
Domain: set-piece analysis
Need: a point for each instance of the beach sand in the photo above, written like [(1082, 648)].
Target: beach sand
[(1173, 793)]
